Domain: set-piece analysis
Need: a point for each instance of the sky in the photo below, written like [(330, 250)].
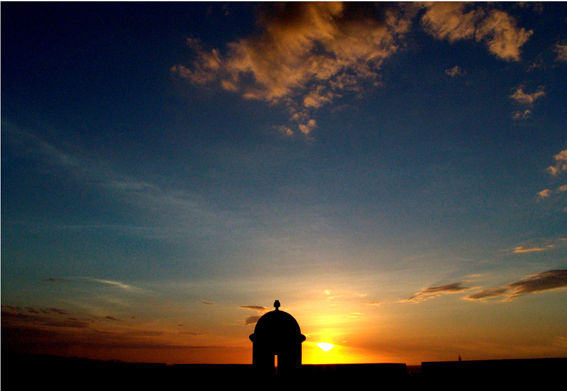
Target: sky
[(395, 174)]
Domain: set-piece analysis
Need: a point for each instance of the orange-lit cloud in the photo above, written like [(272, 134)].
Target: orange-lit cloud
[(539, 246), (305, 54), (526, 250), (535, 283), (495, 28), (431, 292), (522, 114), (561, 50), (454, 71), (560, 165), (525, 98)]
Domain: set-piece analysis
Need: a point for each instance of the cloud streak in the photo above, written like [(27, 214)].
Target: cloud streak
[(435, 291), (254, 307), (535, 283)]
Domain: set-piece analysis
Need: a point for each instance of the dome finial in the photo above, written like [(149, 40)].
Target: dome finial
[(277, 304)]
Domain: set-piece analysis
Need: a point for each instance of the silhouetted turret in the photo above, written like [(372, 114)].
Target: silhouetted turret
[(276, 334)]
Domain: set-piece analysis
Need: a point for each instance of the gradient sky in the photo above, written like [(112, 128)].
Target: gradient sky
[(394, 174)]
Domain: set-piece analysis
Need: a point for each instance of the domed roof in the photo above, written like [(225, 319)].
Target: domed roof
[(277, 326)]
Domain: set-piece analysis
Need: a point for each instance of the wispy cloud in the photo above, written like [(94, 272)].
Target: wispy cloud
[(539, 246), (117, 284), (171, 209), (527, 250), (435, 291), (535, 283)]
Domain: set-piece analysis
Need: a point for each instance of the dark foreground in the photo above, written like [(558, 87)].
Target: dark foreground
[(36, 372)]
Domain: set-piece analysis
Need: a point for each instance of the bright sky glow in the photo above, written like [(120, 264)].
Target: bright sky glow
[(395, 174)]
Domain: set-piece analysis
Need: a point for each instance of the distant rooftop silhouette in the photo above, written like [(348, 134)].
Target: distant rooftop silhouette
[(277, 333)]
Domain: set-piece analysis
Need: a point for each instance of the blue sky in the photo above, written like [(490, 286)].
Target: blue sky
[(386, 165)]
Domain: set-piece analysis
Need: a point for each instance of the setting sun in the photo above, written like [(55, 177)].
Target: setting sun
[(325, 346)]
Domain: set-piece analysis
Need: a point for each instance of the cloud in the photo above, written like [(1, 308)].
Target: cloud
[(254, 307), (560, 165), (535, 283), (525, 98), (112, 283), (522, 114), (454, 71), (54, 279), (251, 319), (435, 291), (527, 250), (561, 50), (458, 21), (304, 55), (546, 193), (540, 245), (39, 317)]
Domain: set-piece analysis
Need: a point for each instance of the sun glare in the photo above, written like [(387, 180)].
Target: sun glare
[(325, 346)]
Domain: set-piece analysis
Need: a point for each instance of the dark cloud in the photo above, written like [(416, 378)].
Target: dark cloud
[(69, 322), (58, 311), (535, 283), (55, 279), (435, 291), (251, 319), (254, 307)]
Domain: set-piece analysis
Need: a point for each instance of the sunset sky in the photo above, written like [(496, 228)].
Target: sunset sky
[(394, 174)]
